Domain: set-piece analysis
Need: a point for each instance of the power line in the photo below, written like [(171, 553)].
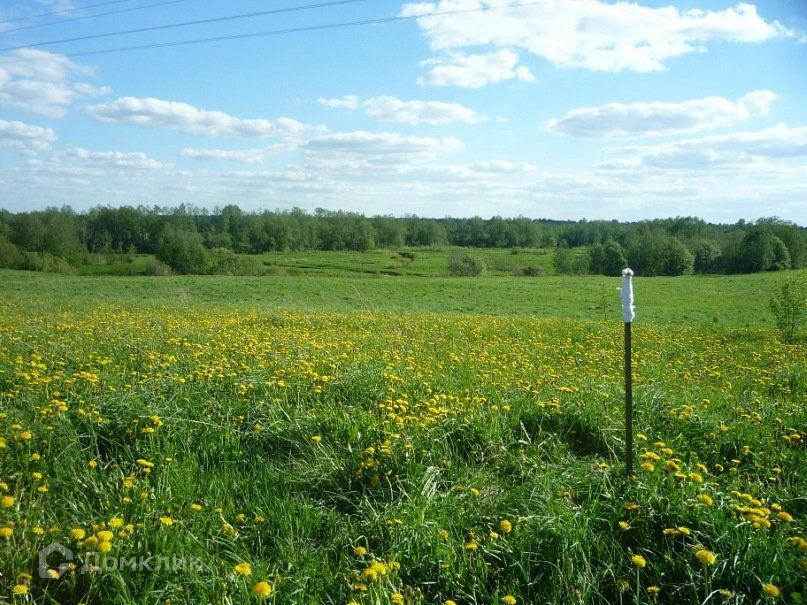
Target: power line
[(187, 23), (83, 17), (278, 32), (62, 11)]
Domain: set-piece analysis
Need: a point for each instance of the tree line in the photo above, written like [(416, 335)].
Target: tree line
[(193, 240)]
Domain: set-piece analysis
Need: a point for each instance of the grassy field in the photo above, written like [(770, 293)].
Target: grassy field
[(420, 262), (737, 301), (384, 440)]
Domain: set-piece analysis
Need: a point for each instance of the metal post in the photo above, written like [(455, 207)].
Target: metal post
[(628, 403), (628, 315)]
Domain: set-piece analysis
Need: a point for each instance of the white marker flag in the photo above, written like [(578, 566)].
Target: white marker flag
[(627, 296)]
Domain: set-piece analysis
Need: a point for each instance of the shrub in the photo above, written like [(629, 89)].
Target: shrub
[(183, 251), (10, 256), (607, 259), (789, 306), (465, 265), (156, 267), (529, 271)]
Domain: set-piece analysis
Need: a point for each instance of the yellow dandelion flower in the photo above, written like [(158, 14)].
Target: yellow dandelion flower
[(771, 590), (7, 501), (360, 551), (20, 589), (397, 598), (505, 526), (639, 561), (262, 589), (243, 569), (509, 600), (707, 557)]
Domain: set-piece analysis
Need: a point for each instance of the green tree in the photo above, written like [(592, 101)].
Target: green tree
[(607, 258), (707, 257), (789, 307), (760, 250), (675, 258), (183, 251)]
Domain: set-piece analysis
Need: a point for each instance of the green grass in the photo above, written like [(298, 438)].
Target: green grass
[(306, 417), (736, 301), (420, 262)]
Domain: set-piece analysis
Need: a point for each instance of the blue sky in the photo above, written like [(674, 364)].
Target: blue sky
[(562, 109)]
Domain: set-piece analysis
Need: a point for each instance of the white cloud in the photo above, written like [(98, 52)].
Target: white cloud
[(380, 145), (41, 83), (245, 156), (345, 102), (655, 119), (736, 150), (22, 136), (387, 108), (590, 34), (181, 117), (391, 109), (475, 71), (125, 160), (503, 167)]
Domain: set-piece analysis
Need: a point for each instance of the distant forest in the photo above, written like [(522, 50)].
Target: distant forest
[(193, 240)]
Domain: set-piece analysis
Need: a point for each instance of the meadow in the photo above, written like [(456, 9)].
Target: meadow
[(407, 440)]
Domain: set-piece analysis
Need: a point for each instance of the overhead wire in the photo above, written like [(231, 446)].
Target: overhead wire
[(139, 30), (291, 30), (63, 11), (93, 16)]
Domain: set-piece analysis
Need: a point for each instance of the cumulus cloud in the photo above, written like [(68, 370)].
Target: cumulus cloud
[(181, 117), (659, 118), (42, 83), (125, 160), (387, 108), (392, 109), (344, 102), (244, 156), (721, 151), (590, 34), (379, 144), (25, 137), (503, 167), (475, 71)]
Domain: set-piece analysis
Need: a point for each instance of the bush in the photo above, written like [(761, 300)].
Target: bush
[(183, 251), (789, 307), (675, 258), (607, 259), (156, 267), (465, 265), (10, 256), (529, 271), (227, 262)]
